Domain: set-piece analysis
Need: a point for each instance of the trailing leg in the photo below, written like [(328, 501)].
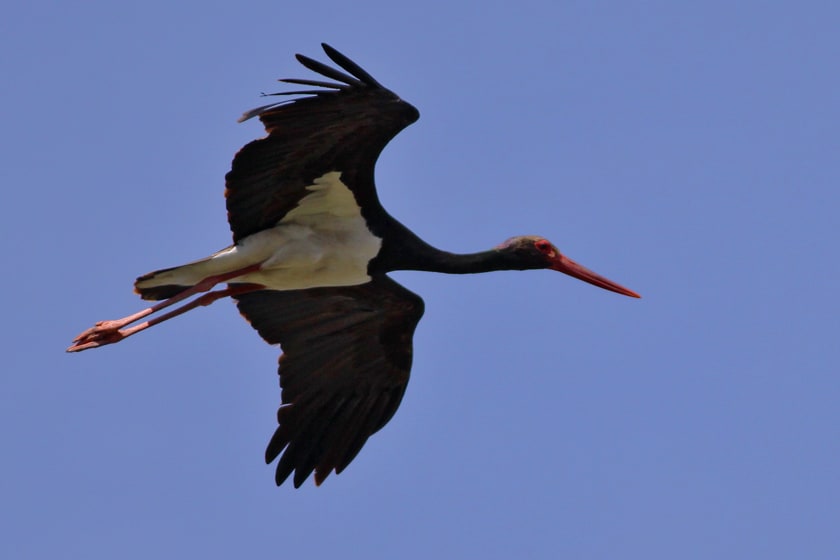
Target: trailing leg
[(109, 332)]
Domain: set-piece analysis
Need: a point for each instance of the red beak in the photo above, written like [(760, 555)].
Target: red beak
[(568, 266)]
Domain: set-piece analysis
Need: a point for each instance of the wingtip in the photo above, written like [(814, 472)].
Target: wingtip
[(330, 50), (321, 475)]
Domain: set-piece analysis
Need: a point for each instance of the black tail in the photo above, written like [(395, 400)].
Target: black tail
[(156, 293)]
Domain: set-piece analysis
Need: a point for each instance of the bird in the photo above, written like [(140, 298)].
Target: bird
[(308, 266)]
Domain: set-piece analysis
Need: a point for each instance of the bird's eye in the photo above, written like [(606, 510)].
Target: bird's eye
[(543, 246)]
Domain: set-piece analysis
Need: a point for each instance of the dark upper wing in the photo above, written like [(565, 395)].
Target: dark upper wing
[(341, 127), (345, 365)]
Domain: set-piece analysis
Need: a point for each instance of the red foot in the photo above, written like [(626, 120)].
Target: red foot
[(105, 332), (109, 332)]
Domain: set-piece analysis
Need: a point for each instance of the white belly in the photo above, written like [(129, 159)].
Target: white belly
[(297, 256), (324, 241)]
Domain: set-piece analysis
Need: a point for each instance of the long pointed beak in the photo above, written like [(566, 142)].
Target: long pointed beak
[(566, 265)]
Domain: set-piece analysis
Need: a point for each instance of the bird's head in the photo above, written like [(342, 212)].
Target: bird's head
[(534, 252)]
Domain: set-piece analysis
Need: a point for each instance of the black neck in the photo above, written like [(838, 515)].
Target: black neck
[(435, 260), (403, 250), (411, 253)]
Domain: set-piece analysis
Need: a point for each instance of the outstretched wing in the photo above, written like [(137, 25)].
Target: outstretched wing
[(339, 126), (344, 369)]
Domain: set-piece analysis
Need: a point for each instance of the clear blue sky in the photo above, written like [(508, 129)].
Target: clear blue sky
[(686, 150)]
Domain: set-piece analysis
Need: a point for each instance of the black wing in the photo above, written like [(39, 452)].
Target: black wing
[(341, 127), (344, 369)]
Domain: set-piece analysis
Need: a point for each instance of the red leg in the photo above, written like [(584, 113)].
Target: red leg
[(108, 332)]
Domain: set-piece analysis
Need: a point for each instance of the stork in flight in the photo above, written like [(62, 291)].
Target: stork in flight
[(308, 267)]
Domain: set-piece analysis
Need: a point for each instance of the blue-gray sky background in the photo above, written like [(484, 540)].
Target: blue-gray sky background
[(686, 150)]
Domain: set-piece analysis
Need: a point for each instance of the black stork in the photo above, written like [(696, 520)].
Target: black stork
[(308, 267)]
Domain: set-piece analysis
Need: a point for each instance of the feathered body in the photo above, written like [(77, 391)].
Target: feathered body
[(311, 250)]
